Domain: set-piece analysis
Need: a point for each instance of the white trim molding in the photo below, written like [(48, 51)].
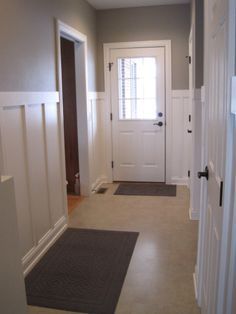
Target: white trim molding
[(195, 285), (179, 137), (108, 137), (194, 214), (31, 151), (23, 98), (196, 153), (32, 258), (83, 113), (179, 181), (97, 139), (100, 181), (180, 93), (12, 287), (90, 114), (96, 96)]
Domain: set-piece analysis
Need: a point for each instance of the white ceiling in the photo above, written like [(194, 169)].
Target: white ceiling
[(115, 4)]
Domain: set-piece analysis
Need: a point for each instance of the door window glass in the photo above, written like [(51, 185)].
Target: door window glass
[(137, 88)]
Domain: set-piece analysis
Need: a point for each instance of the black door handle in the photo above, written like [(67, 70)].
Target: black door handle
[(203, 174), (159, 123), (189, 131)]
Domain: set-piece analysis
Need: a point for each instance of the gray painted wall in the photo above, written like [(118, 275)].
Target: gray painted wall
[(148, 23), (27, 37), (28, 49), (197, 19), (199, 43)]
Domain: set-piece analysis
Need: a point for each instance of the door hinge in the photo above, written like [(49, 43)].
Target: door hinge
[(189, 59), (189, 173), (110, 64), (221, 193), (112, 164), (111, 116)]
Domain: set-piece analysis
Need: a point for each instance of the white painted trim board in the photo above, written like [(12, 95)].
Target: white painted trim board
[(81, 57), (9, 99)]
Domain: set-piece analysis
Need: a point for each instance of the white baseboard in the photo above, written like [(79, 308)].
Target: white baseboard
[(194, 214), (32, 258), (101, 180), (96, 95), (195, 285), (179, 181)]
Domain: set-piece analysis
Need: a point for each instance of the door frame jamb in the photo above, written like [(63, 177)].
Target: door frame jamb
[(168, 90), (80, 40)]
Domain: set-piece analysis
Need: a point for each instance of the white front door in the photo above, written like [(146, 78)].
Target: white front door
[(138, 107), (216, 111)]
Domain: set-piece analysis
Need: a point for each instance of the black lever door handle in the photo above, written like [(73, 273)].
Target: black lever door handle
[(203, 174), (159, 123)]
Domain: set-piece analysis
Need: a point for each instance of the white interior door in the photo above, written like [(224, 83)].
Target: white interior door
[(216, 91), (138, 106)]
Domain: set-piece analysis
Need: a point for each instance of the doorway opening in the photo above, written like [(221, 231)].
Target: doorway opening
[(72, 85), (70, 121)]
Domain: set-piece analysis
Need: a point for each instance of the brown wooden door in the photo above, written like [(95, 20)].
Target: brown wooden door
[(70, 112)]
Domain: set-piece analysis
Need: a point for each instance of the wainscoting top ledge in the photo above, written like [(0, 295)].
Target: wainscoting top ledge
[(96, 95), (180, 93), (16, 98)]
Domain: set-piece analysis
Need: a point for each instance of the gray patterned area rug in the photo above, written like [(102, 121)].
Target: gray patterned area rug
[(146, 189), (82, 272)]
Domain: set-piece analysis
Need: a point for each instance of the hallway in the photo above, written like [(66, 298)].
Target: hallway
[(160, 275)]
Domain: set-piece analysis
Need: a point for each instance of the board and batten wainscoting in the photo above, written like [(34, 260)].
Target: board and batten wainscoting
[(180, 137), (180, 141), (195, 183), (97, 139), (31, 150), (12, 288)]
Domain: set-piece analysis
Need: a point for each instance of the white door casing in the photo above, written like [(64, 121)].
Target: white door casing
[(168, 97), (195, 126), (83, 110), (138, 140), (191, 95)]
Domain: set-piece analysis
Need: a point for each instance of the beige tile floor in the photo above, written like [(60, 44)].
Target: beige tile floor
[(159, 278)]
